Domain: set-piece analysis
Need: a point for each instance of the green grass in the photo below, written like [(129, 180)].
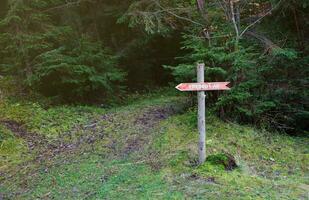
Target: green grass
[(95, 178), (270, 165), (76, 176), (50, 122), (12, 149)]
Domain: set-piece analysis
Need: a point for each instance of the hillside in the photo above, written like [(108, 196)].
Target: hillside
[(144, 150)]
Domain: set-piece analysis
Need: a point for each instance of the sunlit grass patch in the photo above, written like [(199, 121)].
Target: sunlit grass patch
[(50, 122)]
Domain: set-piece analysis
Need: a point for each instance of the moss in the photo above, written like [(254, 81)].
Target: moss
[(210, 167), (218, 159)]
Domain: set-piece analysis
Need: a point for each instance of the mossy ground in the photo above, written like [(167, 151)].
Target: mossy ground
[(145, 150)]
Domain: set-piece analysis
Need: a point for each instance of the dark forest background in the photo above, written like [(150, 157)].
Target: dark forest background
[(86, 51)]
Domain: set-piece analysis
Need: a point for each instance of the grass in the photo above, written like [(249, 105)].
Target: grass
[(132, 152), (271, 165), (12, 149), (51, 122), (94, 178)]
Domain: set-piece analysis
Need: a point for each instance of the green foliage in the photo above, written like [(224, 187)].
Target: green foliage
[(22, 36), (268, 83), (78, 70), (52, 58), (157, 17)]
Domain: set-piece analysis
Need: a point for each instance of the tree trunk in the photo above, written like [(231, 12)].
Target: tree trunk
[(204, 14)]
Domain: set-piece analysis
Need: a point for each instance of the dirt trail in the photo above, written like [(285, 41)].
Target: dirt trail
[(46, 150), (86, 136), (32, 140), (36, 143), (146, 122)]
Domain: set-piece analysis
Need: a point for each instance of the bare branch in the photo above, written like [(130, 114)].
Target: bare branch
[(67, 4), (267, 42), (258, 20), (177, 16), (233, 19)]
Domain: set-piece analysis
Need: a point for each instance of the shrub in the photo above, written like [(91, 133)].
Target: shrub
[(79, 70)]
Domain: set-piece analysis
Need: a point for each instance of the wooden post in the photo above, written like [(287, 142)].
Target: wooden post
[(201, 87), (201, 115)]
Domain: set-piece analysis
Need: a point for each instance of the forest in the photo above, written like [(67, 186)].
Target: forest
[(90, 85)]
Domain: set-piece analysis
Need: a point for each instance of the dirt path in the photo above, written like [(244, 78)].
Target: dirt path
[(127, 132), (145, 123), (46, 150), (32, 140)]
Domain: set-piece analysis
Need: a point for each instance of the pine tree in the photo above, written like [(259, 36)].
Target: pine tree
[(51, 56)]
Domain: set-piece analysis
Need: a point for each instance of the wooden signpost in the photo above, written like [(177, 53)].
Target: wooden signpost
[(201, 87)]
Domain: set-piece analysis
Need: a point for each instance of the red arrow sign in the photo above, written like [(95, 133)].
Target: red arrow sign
[(186, 87)]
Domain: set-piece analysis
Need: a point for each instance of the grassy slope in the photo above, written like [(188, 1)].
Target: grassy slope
[(134, 152), (271, 166)]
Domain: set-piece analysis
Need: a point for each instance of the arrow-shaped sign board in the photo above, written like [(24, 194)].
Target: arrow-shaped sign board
[(186, 87)]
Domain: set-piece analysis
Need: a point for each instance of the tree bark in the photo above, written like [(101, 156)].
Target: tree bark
[(299, 35)]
